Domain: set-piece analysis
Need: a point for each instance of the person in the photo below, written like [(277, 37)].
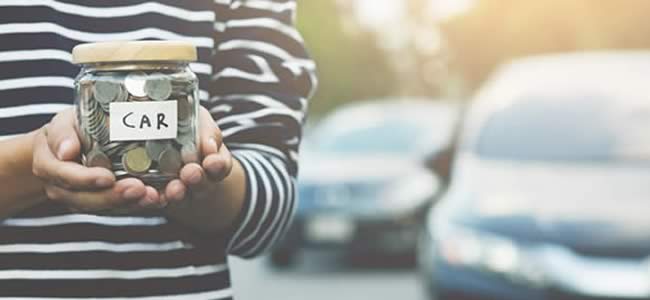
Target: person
[(55, 241)]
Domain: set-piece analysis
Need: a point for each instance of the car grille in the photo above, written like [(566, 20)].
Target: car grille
[(339, 196)]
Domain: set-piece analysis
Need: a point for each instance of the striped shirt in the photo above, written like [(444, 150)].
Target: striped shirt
[(255, 78)]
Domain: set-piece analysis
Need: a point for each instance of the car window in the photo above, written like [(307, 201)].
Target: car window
[(390, 137), (578, 128)]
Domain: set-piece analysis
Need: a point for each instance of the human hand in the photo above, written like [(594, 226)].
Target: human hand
[(56, 152), (202, 180)]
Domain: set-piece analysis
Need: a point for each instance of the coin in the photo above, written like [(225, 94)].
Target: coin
[(86, 140), (96, 158), (97, 126), (184, 108), (136, 161), (189, 153), (85, 91), (122, 96), (158, 87), (156, 147), (105, 91), (135, 82), (156, 179), (184, 138), (170, 161), (118, 148)]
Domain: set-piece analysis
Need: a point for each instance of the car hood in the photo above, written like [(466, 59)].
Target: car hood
[(589, 207), (329, 169)]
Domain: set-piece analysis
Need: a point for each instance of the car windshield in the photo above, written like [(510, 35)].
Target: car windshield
[(584, 128), (390, 137)]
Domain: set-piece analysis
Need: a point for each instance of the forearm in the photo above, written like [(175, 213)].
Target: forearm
[(215, 210), (20, 188)]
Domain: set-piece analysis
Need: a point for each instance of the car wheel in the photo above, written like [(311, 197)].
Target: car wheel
[(282, 258)]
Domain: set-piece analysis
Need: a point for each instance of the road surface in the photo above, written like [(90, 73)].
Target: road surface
[(322, 276)]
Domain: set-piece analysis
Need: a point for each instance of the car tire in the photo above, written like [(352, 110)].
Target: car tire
[(282, 258)]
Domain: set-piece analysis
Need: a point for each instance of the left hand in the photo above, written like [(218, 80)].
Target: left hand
[(201, 181)]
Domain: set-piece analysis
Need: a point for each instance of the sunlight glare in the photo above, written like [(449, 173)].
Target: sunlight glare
[(379, 13)]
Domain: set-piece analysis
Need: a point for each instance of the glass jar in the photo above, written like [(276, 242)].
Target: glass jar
[(137, 106)]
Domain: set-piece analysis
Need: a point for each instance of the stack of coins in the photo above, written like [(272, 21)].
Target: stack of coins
[(156, 162)]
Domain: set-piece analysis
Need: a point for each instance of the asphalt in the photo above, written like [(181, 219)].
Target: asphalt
[(323, 276)]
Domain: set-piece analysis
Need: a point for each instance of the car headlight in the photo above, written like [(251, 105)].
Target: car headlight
[(488, 253), (410, 192)]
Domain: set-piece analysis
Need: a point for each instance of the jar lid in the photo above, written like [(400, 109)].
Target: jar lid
[(133, 51)]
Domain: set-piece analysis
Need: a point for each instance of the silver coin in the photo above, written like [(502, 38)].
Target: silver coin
[(117, 165), (185, 138), (170, 161), (158, 87), (105, 91), (98, 127), (184, 108), (156, 147), (86, 141), (116, 149), (97, 159), (122, 96), (135, 82), (85, 138), (121, 174), (85, 92)]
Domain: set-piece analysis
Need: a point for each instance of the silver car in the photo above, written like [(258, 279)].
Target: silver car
[(550, 190)]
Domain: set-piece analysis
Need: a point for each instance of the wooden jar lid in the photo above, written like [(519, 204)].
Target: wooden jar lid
[(137, 51)]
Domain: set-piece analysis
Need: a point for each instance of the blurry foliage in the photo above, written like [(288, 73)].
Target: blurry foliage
[(351, 67), (498, 30)]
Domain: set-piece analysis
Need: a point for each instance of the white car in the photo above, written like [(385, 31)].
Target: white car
[(550, 189)]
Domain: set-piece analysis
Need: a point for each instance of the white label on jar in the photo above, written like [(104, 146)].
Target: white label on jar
[(139, 121)]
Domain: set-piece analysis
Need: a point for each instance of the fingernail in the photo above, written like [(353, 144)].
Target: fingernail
[(213, 144), (104, 182), (145, 202), (63, 148), (195, 178), (132, 193)]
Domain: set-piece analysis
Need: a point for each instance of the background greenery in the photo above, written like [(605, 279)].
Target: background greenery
[(353, 67)]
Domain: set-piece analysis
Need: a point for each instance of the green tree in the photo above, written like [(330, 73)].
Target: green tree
[(351, 67)]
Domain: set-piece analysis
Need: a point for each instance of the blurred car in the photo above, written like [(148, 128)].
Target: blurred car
[(364, 184), (550, 189)]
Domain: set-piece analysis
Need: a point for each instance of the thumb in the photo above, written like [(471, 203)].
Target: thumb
[(62, 136)]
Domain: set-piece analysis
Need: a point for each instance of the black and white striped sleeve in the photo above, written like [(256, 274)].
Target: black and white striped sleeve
[(262, 80)]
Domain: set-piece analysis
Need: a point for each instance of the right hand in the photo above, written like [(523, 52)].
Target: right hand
[(57, 149)]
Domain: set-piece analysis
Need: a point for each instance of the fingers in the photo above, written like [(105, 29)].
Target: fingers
[(151, 200), (193, 176), (70, 175), (210, 138), (218, 166), (175, 191), (125, 191), (196, 180), (62, 137)]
